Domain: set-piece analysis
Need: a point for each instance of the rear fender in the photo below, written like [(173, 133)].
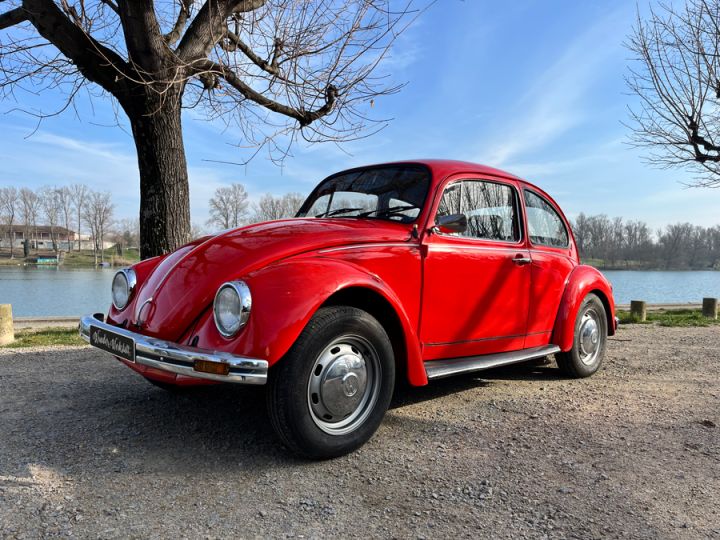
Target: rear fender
[(582, 281)]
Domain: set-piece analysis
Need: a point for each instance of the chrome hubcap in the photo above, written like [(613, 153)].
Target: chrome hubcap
[(344, 385), (590, 339)]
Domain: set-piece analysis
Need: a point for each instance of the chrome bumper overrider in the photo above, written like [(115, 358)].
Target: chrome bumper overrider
[(180, 359)]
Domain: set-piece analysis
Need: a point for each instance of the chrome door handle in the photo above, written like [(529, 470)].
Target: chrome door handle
[(521, 260)]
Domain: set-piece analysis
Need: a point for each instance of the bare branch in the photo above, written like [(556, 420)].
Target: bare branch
[(12, 17), (678, 85), (304, 117), (182, 19), (208, 26), (95, 61)]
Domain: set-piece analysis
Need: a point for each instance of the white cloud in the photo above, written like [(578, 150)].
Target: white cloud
[(556, 100)]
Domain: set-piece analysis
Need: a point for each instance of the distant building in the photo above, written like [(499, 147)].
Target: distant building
[(41, 238)]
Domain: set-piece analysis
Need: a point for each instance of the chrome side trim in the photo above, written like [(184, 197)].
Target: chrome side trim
[(180, 359), (437, 369), (370, 245)]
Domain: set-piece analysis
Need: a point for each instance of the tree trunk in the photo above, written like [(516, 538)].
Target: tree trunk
[(164, 189), (78, 232)]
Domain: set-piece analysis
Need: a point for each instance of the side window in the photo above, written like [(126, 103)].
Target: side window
[(490, 208), (545, 227)]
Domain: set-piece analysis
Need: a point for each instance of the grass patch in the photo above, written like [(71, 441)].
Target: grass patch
[(675, 317), (46, 338), (84, 259)]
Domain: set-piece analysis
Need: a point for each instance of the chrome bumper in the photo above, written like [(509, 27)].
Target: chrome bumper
[(180, 359)]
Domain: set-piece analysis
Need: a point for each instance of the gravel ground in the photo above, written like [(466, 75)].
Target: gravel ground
[(89, 449)]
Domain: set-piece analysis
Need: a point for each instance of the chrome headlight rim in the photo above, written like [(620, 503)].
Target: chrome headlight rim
[(242, 291), (130, 280)]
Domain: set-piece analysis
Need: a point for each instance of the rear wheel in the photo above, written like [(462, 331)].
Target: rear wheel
[(329, 393), (588, 348)]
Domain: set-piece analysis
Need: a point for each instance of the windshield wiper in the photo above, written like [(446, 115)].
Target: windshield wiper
[(337, 211), (389, 211)]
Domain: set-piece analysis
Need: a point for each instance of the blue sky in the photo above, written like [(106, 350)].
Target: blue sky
[(534, 88)]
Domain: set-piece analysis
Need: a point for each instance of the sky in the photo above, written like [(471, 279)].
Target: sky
[(533, 88)]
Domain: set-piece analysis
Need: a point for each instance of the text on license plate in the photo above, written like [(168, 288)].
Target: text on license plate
[(121, 346)]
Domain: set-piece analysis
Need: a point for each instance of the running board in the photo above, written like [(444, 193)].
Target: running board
[(437, 369)]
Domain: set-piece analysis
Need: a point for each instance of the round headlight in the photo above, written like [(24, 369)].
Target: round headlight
[(123, 285), (232, 307)]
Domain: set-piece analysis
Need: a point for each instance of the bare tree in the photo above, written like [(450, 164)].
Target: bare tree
[(9, 209), (287, 68), (98, 217), (270, 207), (197, 231), (50, 205), (65, 204), (78, 194), (126, 234), (30, 208), (677, 79), (228, 207)]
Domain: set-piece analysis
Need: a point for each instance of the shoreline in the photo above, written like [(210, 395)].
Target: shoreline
[(68, 321)]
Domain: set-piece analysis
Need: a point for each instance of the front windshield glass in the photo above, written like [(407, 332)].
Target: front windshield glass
[(394, 192)]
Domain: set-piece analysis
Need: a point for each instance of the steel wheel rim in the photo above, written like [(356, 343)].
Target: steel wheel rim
[(590, 338), (344, 385)]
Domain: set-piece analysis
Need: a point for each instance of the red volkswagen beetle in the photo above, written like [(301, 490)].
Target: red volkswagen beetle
[(416, 270)]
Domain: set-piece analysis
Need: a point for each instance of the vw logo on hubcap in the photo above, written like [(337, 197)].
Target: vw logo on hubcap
[(350, 384)]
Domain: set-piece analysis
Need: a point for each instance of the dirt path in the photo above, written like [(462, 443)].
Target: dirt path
[(88, 448)]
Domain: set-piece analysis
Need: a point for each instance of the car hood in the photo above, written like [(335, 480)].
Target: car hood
[(183, 285)]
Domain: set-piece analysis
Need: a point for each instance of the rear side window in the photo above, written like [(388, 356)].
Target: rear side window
[(545, 227), (490, 209)]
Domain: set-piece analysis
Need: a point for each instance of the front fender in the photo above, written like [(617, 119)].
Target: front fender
[(285, 297), (582, 281)]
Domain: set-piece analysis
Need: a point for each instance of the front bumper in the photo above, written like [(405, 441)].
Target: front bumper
[(181, 359)]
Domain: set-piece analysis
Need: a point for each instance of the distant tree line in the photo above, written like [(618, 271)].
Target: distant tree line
[(229, 207), (73, 208), (79, 209), (606, 242), (618, 243)]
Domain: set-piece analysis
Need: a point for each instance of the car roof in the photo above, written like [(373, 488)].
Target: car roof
[(442, 168)]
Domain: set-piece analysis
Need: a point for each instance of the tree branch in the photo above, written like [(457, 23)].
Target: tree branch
[(95, 61), (111, 5), (12, 17), (182, 18), (304, 117), (268, 67), (144, 39), (208, 26)]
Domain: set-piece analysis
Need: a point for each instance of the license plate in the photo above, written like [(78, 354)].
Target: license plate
[(121, 346)]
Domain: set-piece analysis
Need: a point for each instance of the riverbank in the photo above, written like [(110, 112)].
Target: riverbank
[(641, 266), (51, 331), (71, 259)]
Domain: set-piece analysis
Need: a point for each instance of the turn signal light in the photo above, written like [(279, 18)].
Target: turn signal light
[(216, 368)]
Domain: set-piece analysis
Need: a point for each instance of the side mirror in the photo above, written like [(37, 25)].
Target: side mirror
[(454, 223)]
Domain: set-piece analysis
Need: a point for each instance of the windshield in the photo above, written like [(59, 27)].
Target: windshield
[(394, 192)]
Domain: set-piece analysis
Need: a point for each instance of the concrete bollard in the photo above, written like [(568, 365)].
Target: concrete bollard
[(710, 308), (7, 335), (638, 310)]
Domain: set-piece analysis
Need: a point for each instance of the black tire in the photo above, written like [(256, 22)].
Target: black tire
[(578, 362), (307, 381)]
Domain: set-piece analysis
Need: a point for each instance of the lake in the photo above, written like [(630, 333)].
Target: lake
[(42, 292)]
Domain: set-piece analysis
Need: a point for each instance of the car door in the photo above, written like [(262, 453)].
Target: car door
[(553, 258), (475, 283)]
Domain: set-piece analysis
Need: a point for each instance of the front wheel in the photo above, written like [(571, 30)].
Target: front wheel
[(588, 350), (329, 393)]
